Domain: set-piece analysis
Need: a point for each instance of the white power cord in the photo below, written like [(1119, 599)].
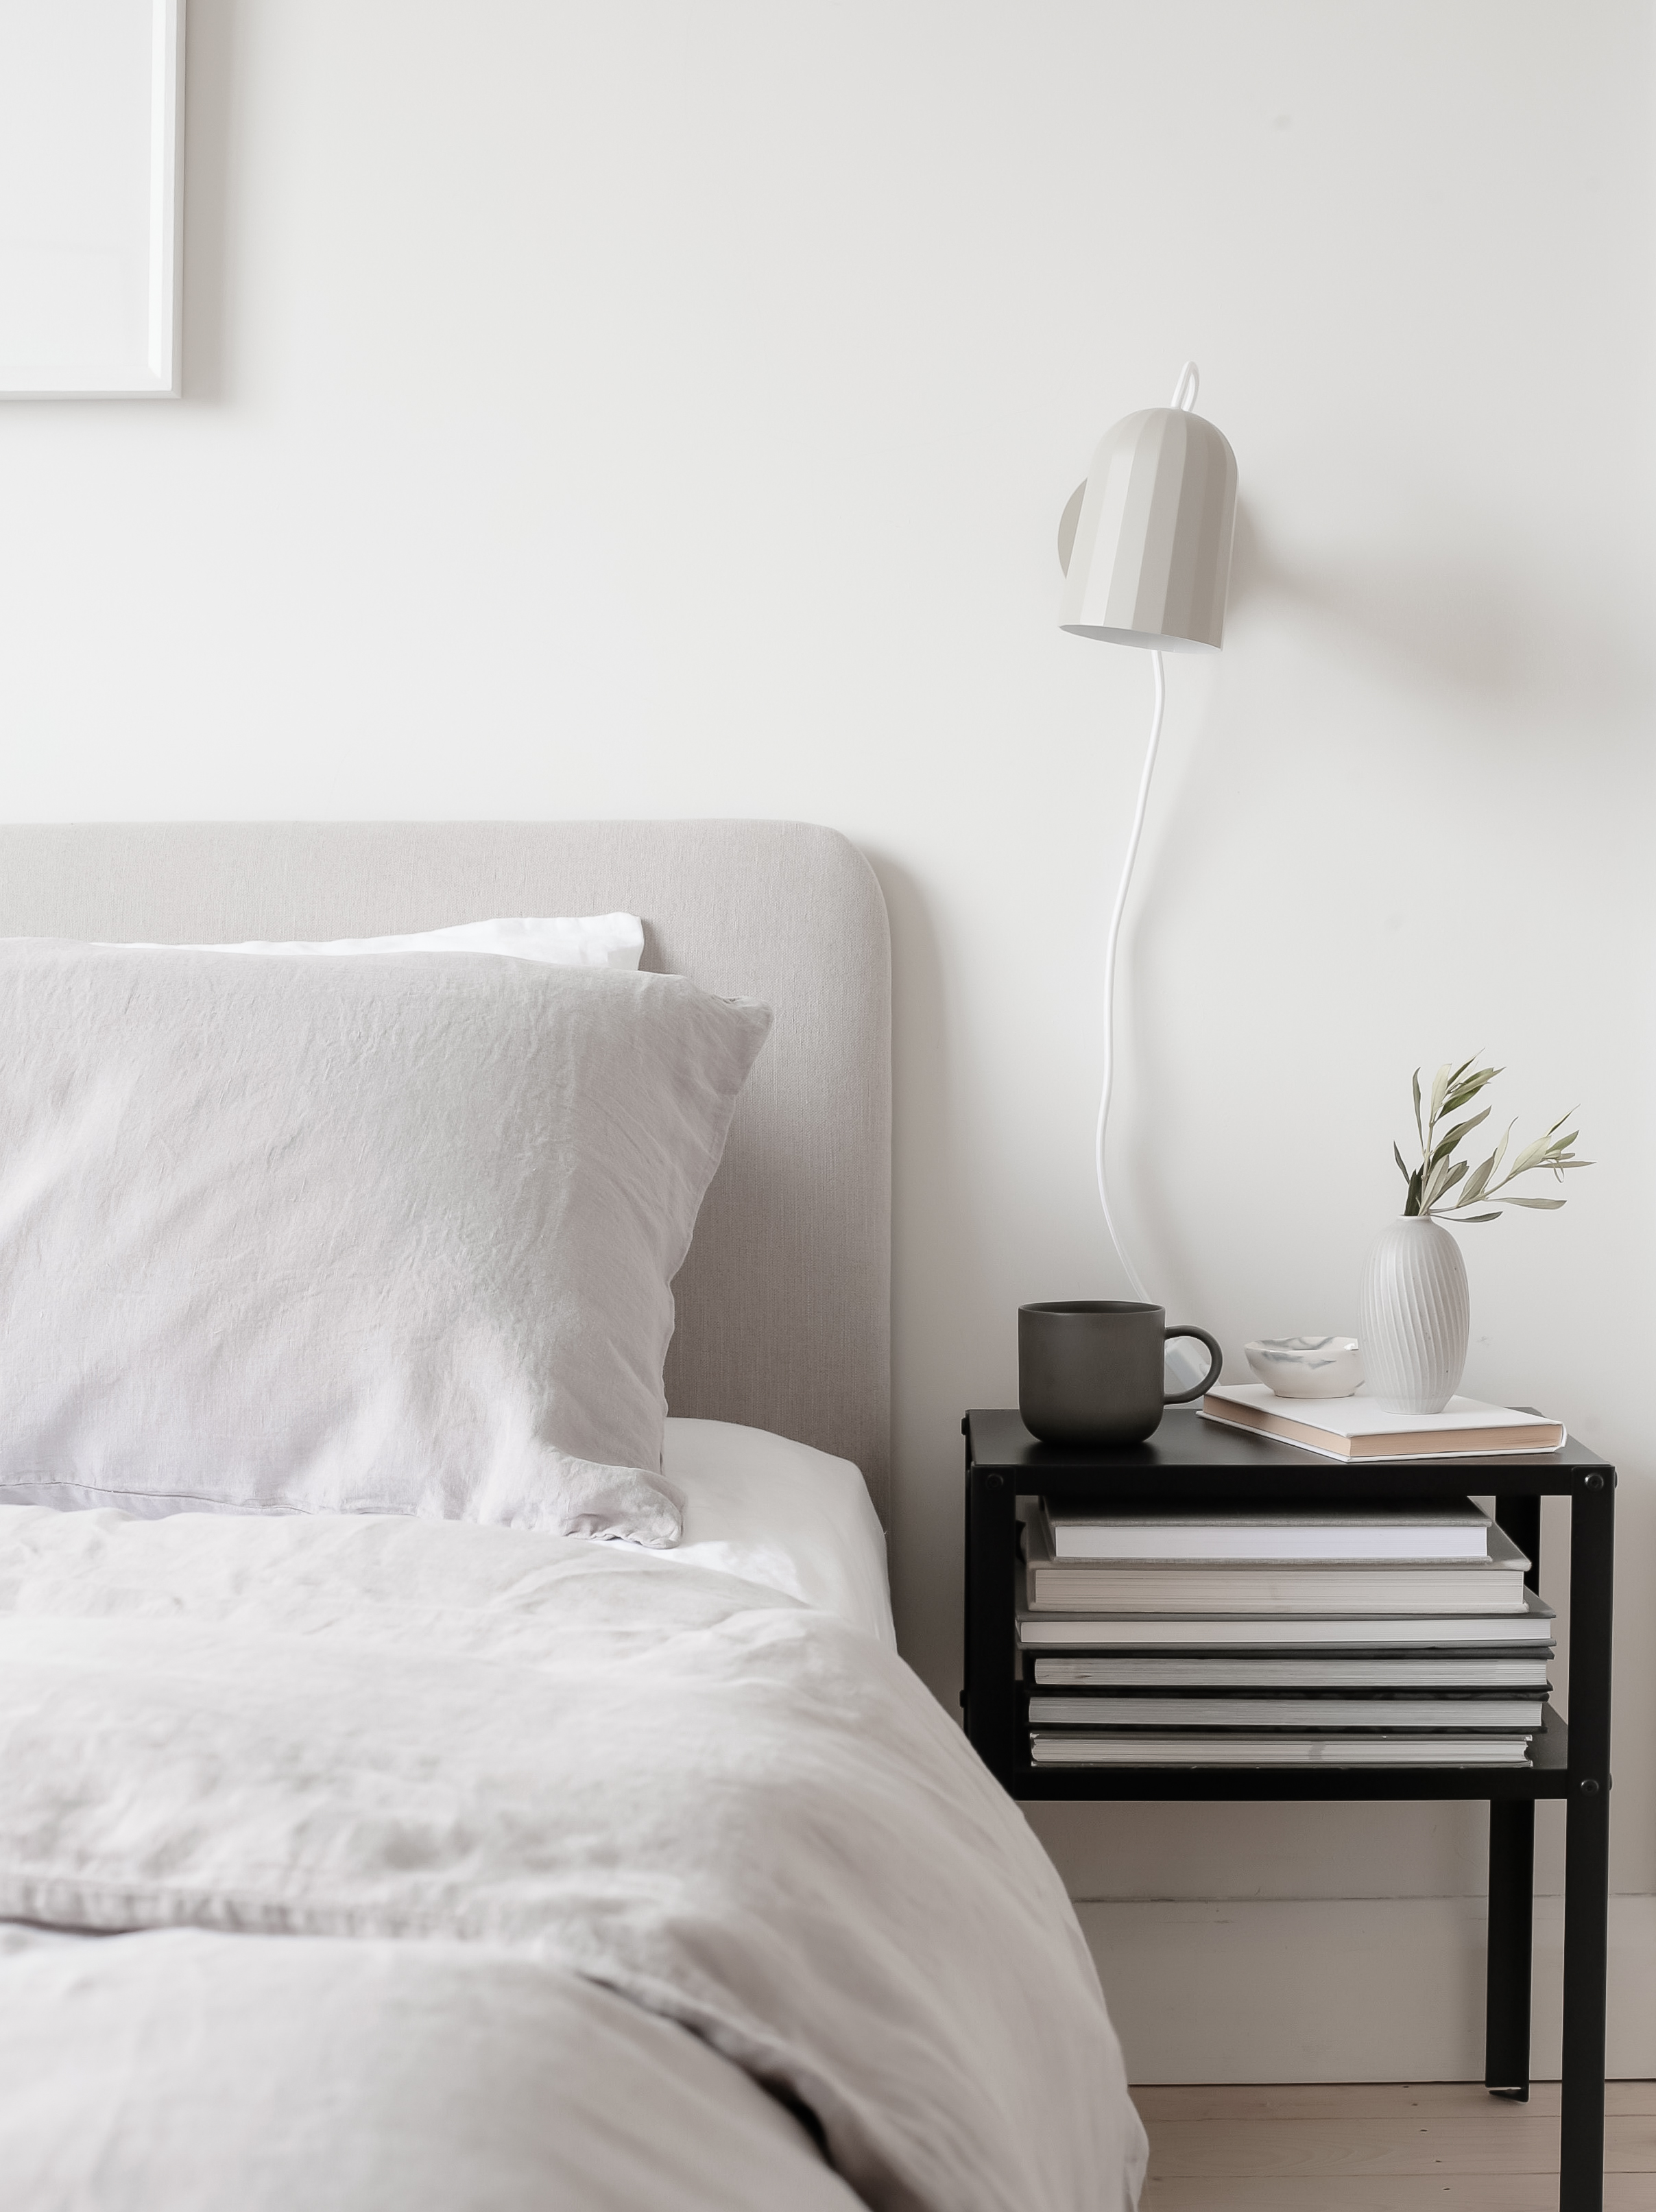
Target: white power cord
[(1184, 397)]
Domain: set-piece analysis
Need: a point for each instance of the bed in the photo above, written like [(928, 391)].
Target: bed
[(356, 1852)]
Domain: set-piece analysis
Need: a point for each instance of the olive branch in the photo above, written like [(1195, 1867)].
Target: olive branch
[(1440, 1173)]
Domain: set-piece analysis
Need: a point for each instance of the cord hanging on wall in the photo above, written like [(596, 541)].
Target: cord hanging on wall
[(1145, 544)]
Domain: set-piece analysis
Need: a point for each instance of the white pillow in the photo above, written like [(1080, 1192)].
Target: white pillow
[(383, 1234), (590, 940)]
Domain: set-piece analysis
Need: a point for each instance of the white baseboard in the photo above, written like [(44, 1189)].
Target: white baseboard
[(1349, 1990)]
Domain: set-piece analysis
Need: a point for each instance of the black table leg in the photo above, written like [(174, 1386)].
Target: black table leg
[(1587, 1850), (1512, 1908), (991, 1696), (1511, 1882), (1587, 1885)]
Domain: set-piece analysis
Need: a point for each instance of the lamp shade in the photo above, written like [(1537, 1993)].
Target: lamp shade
[(1149, 557)]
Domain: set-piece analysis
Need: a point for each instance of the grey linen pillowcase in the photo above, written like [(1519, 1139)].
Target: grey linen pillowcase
[(386, 1233)]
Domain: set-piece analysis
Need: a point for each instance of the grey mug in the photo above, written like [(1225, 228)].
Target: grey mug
[(1090, 1370)]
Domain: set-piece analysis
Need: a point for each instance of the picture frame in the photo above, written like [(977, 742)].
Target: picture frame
[(91, 199)]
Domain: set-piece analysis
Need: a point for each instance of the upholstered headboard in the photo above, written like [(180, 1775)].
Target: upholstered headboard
[(784, 1304)]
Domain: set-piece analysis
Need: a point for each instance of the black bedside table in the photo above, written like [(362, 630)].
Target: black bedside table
[(1189, 1458)]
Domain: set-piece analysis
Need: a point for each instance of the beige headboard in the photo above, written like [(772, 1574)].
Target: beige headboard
[(784, 1304)]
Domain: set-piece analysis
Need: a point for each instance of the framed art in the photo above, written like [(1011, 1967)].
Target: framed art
[(91, 115)]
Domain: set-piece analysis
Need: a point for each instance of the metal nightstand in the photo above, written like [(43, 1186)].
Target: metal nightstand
[(1189, 1458)]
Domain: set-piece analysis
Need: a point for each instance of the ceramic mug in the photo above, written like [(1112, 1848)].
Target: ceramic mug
[(1090, 1370)]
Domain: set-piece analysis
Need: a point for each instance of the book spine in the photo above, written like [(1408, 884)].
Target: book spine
[(1291, 1590)]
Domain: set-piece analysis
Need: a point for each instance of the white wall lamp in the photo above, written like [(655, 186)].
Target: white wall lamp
[(1145, 548)]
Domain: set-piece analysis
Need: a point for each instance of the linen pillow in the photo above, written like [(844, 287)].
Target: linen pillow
[(392, 1234), (586, 940)]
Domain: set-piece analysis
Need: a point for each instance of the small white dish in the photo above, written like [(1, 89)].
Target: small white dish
[(1307, 1366)]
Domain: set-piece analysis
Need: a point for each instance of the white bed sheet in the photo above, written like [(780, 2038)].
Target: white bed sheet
[(781, 1514)]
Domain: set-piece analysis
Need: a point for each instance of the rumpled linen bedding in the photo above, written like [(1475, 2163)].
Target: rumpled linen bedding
[(419, 1846)]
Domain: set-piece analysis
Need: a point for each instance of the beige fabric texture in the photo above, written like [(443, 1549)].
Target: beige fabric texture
[(392, 1234), (784, 1304)]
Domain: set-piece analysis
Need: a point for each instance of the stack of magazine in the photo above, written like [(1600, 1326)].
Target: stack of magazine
[(1390, 1635)]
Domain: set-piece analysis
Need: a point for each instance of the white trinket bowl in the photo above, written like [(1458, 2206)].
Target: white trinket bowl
[(1307, 1366)]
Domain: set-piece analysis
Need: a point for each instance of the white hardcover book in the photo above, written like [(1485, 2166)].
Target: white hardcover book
[(1324, 1670), (1180, 1711), (1278, 1750), (1264, 1631), (1415, 1533), (1493, 1584), (1369, 1429)]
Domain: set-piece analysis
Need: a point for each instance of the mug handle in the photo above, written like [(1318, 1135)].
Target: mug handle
[(1196, 1390)]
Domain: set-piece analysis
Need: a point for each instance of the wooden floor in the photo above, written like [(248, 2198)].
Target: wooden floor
[(1383, 2148)]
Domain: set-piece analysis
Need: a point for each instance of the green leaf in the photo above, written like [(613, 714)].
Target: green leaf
[(1480, 1175), (1447, 1177), (1398, 1157), (1501, 1149), (1548, 1205), (1531, 1157), (1412, 1204), (1462, 1093), (1419, 1132), (1467, 1220), (1440, 1180), (1440, 1083), (1447, 1144)]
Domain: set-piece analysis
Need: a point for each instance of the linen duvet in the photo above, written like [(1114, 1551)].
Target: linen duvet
[(438, 1865)]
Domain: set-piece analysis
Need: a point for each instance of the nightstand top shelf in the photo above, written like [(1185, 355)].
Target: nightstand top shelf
[(1191, 1457)]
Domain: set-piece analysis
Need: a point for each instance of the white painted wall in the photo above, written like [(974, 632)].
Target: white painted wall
[(656, 409)]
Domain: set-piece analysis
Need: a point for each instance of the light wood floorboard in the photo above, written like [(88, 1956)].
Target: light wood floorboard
[(1449, 2192), (1319, 2100), (1378, 2146)]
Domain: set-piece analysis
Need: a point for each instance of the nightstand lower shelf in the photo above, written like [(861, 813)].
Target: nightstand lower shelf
[(1545, 1775)]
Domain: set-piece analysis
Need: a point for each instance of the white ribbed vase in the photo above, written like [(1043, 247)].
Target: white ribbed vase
[(1414, 1316)]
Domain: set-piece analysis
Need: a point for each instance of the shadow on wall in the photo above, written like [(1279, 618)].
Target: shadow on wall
[(209, 123), (934, 1243), (1453, 612)]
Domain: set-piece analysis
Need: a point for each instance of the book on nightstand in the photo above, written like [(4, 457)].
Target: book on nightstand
[(1179, 1708), (1417, 1671), (1491, 1584), (1147, 1631), (1410, 1532), (1368, 1428), (1129, 1749)]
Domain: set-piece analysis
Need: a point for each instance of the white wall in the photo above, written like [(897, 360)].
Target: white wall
[(656, 408)]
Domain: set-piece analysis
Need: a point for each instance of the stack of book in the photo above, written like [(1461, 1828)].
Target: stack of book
[(1397, 1635)]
